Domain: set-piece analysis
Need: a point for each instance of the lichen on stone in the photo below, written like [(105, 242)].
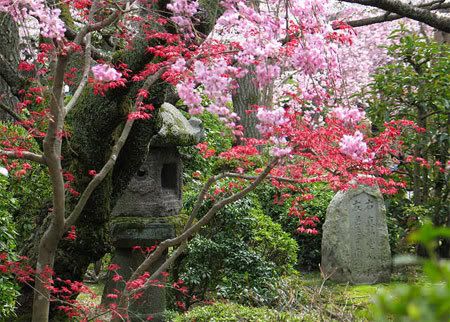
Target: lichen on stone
[(175, 129)]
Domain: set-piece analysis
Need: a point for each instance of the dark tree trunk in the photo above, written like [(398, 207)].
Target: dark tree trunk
[(9, 59)]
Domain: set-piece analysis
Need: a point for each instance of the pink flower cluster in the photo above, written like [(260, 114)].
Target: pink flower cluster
[(311, 57), (354, 146), (51, 26), (348, 115), (268, 118), (183, 11), (280, 147), (368, 50), (216, 86), (105, 73), (299, 54)]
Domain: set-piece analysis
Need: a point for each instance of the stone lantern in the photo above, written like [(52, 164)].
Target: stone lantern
[(143, 214)]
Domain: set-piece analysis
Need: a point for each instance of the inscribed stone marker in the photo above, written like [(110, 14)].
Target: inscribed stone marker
[(355, 242)]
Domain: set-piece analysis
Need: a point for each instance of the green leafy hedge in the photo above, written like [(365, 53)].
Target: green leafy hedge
[(309, 246)]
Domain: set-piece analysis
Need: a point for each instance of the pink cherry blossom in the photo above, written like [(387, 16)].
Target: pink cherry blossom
[(51, 26), (105, 73), (348, 115), (191, 98), (183, 11), (269, 118), (353, 145)]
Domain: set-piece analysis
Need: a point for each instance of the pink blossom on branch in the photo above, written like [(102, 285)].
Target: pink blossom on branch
[(353, 145), (105, 73), (183, 11), (348, 115), (51, 26)]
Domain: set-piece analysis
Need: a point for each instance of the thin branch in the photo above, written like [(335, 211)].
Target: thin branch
[(24, 155), (13, 114), (200, 199), (203, 221), (84, 77), (72, 218), (406, 10), (96, 26), (87, 64), (95, 53), (389, 16), (166, 264), (281, 179)]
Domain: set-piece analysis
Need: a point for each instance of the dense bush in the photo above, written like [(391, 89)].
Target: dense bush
[(309, 246), (21, 202), (8, 287), (230, 312), (239, 256)]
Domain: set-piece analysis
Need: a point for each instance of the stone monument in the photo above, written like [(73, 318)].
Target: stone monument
[(355, 241), (142, 214)]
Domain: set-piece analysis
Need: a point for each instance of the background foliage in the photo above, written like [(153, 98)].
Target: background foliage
[(8, 286), (414, 86)]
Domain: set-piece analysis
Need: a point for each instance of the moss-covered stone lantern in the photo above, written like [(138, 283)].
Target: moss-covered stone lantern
[(142, 215)]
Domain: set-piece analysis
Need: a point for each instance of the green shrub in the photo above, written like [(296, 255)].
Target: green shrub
[(239, 256), (272, 242), (230, 312), (8, 287), (31, 192), (414, 86), (309, 246)]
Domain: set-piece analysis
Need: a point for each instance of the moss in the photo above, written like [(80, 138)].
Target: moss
[(139, 222), (66, 16), (174, 128)]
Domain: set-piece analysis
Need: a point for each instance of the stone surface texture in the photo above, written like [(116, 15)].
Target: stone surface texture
[(155, 190), (355, 241), (175, 129)]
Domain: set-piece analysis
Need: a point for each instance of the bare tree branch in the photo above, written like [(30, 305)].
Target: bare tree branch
[(200, 199), (421, 14), (96, 53), (24, 155), (87, 64), (13, 114), (389, 16)]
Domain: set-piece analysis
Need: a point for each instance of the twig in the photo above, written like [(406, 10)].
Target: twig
[(87, 64)]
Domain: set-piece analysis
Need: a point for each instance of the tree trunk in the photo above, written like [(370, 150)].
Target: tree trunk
[(9, 60), (247, 94)]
